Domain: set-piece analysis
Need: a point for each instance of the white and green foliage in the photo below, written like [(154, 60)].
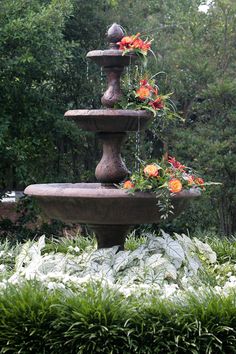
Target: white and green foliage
[(165, 264), (161, 263), (7, 258)]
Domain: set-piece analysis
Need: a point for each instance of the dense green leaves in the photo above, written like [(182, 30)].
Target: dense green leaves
[(32, 53), (98, 320)]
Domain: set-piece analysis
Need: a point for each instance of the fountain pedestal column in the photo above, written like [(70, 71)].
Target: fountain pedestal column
[(113, 93), (110, 235), (111, 168)]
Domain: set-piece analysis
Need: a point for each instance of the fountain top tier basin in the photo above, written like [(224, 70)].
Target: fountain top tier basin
[(93, 203), (109, 58), (112, 57), (110, 120)]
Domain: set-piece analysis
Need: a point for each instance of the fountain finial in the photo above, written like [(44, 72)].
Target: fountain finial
[(114, 34)]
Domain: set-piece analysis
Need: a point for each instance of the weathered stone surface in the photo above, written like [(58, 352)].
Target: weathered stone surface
[(93, 203), (110, 120), (111, 168)]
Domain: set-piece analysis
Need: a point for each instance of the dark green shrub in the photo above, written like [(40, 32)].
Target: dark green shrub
[(94, 321), (26, 315), (99, 320)]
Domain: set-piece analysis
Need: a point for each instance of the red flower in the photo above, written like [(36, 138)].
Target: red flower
[(155, 91), (176, 164), (174, 185), (143, 82), (157, 103)]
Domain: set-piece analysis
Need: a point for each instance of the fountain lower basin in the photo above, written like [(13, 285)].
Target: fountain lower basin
[(93, 203)]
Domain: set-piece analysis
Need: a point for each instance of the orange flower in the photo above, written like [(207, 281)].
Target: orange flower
[(157, 103), (190, 180), (137, 43), (145, 83), (199, 181), (126, 42), (143, 93), (146, 46), (134, 42), (151, 171), (174, 185), (140, 44), (128, 185)]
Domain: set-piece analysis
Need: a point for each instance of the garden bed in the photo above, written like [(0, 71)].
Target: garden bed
[(162, 294)]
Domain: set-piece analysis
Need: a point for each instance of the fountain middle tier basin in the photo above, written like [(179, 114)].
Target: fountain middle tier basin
[(110, 120), (93, 203)]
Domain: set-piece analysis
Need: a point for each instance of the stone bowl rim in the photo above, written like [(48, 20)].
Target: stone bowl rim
[(109, 53), (116, 113), (96, 191)]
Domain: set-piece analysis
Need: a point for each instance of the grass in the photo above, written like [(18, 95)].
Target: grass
[(62, 245), (82, 243), (98, 320), (225, 247), (26, 315)]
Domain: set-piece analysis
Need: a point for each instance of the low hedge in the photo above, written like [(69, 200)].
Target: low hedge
[(100, 320)]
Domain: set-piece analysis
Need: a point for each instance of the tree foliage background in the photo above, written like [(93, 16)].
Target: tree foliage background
[(44, 72)]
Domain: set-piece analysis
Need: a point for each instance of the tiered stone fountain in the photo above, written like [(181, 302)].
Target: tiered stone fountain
[(110, 212)]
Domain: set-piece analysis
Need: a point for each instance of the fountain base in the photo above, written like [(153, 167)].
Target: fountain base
[(110, 235), (109, 211)]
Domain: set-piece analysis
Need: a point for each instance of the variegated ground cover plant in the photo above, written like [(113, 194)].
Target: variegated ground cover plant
[(167, 265)]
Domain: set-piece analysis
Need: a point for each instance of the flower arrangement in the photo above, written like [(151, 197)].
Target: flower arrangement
[(144, 93), (134, 44), (165, 178), (168, 176), (141, 91)]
